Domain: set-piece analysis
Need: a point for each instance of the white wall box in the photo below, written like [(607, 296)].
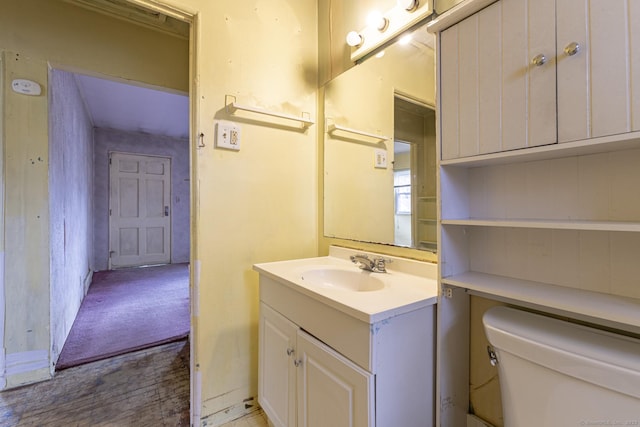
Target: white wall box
[(538, 180), (319, 364)]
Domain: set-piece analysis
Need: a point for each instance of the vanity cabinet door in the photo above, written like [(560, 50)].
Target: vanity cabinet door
[(598, 77), (332, 390), (497, 79), (277, 372)]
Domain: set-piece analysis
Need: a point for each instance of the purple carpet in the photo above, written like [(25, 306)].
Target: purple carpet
[(127, 310)]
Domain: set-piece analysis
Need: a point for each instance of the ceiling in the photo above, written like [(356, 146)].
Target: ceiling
[(133, 108)]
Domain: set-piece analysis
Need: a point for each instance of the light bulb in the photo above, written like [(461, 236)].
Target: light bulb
[(409, 5), (354, 39), (380, 54), (406, 39), (377, 21)]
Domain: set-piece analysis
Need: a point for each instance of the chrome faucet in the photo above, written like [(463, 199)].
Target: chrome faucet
[(375, 265)]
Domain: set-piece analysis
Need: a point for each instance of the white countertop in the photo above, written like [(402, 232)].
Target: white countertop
[(403, 292)]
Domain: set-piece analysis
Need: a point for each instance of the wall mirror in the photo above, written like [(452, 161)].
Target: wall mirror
[(380, 147)]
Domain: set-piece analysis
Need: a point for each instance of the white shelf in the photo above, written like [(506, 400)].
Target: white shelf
[(548, 224), (625, 141), (618, 312)]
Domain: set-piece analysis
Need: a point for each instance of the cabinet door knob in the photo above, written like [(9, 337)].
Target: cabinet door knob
[(539, 60), (572, 48), (289, 351), (297, 362)]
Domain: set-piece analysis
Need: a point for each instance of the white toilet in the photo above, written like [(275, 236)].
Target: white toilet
[(556, 373)]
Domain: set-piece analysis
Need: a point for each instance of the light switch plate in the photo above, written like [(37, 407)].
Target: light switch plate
[(380, 159), (228, 135)]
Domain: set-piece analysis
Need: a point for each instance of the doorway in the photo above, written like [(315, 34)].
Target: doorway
[(414, 173), (160, 242)]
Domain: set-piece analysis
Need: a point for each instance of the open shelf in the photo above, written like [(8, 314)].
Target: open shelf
[(548, 224), (625, 141), (619, 312)]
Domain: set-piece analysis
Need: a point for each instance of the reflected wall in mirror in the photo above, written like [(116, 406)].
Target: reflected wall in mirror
[(381, 108)]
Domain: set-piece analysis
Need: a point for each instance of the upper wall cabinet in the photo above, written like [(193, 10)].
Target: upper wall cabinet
[(598, 66), (521, 74)]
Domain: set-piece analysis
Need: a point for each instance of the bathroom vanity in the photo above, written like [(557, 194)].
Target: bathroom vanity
[(346, 346)]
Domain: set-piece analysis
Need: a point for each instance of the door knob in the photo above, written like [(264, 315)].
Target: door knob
[(572, 48), (166, 211), (539, 60)]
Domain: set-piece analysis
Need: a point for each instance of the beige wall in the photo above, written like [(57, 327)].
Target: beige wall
[(255, 205), (75, 38), (26, 211)]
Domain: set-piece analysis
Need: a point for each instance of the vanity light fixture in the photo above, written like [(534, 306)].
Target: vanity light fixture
[(405, 40), (385, 26), (408, 5), (377, 20), (354, 39)]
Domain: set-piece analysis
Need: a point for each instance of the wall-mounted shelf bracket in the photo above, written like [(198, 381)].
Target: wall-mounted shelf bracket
[(231, 106), (332, 128)]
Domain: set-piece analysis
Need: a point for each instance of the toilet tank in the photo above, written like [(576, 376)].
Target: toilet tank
[(556, 373)]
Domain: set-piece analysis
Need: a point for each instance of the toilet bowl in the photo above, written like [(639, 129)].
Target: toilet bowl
[(556, 373)]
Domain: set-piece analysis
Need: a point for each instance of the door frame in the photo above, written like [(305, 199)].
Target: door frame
[(193, 18)]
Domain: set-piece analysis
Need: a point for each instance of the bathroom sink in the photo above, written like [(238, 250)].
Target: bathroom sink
[(342, 278), (308, 286)]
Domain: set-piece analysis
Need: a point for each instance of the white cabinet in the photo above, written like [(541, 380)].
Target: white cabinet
[(277, 379), (332, 390), (598, 86), (492, 99), (319, 366), (303, 382), (498, 77), (554, 226)]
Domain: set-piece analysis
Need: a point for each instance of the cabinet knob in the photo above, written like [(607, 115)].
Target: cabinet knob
[(572, 48), (539, 60), (297, 362), (289, 351)]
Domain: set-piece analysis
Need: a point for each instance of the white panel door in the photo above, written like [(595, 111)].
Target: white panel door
[(277, 373), (139, 210), (332, 390)]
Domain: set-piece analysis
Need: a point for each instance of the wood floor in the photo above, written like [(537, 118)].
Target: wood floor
[(146, 388)]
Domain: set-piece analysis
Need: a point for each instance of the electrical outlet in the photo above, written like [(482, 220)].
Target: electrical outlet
[(228, 135), (380, 159)]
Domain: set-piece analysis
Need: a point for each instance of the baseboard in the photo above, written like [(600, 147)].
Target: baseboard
[(87, 281), (26, 367), (473, 421), (232, 413)]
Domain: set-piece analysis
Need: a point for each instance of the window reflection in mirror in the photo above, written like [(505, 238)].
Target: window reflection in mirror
[(388, 99)]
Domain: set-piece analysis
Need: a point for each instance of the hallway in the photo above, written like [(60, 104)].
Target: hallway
[(127, 310), (145, 388)]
